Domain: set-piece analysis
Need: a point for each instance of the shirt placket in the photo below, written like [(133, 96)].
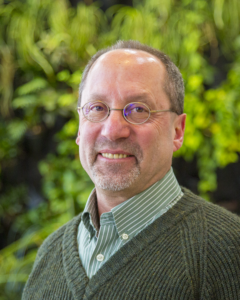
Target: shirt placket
[(106, 237)]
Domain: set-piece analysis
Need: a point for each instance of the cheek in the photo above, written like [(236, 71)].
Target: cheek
[(164, 130), (156, 140), (88, 136), (85, 136), (87, 130), (148, 142)]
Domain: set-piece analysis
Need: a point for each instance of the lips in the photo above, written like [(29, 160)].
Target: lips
[(121, 151)]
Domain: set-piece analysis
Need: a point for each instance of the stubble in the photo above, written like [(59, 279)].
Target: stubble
[(115, 176)]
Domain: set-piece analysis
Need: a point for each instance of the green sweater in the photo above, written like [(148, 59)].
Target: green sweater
[(191, 252)]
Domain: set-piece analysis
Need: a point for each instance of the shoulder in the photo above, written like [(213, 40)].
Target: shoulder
[(211, 235), (54, 240), (213, 214), (219, 228), (47, 278)]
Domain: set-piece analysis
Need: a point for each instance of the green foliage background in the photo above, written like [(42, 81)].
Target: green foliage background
[(44, 46)]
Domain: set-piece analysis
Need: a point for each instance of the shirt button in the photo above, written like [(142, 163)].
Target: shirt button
[(100, 257), (125, 236)]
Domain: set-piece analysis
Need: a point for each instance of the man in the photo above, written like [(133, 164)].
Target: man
[(140, 236)]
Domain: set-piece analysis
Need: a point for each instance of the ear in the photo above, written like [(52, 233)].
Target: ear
[(78, 134), (78, 138), (179, 127)]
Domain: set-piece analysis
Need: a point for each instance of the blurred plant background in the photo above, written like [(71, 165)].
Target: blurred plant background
[(44, 46)]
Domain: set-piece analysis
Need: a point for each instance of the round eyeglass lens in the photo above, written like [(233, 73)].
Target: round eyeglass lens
[(136, 113), (95, 111)]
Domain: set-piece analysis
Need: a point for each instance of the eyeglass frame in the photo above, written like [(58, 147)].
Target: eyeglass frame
[(122, 109)]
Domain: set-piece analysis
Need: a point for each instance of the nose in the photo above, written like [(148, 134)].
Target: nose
[(115, 126)]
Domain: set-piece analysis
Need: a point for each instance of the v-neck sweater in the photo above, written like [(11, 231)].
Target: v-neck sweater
[(118, 226), (191, 252)]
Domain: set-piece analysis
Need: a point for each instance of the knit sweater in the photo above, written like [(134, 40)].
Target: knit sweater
[(191, 252)]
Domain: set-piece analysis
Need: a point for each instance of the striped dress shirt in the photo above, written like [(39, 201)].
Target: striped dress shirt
[(97, 242)]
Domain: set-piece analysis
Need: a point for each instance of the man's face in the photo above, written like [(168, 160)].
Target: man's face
[(117, 155)]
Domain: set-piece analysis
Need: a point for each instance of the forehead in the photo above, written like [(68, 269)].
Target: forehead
[(126, 58), (125, 71), (127, 55)]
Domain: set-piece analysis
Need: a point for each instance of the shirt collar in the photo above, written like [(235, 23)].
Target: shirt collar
[(134, 214), (90, 214)]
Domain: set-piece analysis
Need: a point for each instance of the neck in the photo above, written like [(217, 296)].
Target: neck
[(106, 200)]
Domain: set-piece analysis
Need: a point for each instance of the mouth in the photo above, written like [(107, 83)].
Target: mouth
[(115, 155)]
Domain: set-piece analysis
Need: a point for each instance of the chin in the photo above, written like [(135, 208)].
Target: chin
[(116, 182)]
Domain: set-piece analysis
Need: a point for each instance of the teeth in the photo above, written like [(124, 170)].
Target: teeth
[(114, 156)]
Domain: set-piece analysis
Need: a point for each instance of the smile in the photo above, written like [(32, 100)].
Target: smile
[(114, 156)]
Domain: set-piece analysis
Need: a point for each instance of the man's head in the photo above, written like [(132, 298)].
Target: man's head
[(173, 85), (118, 155)]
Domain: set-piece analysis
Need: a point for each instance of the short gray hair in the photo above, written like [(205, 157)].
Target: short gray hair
[(174, 86)]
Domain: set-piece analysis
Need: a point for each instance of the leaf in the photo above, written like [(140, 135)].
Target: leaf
[(16, 129), (23, 102), (32, 86), (67, 99), (63, 75)]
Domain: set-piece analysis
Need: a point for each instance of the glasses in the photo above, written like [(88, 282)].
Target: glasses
[(134, 113)]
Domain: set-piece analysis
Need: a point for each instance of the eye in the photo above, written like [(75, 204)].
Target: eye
[(138, 109), (96, 107)]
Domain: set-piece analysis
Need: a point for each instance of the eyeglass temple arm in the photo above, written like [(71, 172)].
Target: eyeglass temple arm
[(155, 111)]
